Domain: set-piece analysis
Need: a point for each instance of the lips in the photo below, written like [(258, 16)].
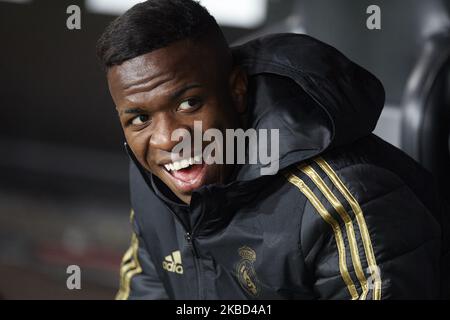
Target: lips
[(187, 175)]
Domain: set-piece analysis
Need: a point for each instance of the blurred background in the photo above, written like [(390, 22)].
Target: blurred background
[(63, 168)]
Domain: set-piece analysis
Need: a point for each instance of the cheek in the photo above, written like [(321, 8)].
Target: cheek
[(139, 144)]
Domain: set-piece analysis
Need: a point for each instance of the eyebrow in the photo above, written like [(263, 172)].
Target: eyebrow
[(132, 111), (182, 90), (173, 96)]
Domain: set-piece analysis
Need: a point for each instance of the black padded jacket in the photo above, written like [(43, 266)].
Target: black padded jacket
[(348, 216)]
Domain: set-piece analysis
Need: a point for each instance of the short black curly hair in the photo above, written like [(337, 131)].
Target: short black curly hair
[(155, 24)]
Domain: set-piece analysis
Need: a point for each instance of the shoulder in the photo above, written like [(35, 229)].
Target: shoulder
[(365, 173)]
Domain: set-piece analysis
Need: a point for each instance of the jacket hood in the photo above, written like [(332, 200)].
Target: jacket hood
[(315, 96)]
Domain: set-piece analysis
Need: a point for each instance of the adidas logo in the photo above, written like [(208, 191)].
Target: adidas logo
[(172, 262)]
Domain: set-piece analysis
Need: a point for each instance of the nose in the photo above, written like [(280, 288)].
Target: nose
[(164, 125)]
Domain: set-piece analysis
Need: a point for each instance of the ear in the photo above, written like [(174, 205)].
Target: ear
[(238, 87)]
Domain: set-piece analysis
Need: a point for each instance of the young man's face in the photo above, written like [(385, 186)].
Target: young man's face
[(169, 89)]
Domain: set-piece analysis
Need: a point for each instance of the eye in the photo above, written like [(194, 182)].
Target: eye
[(140, 119), (189, 105)]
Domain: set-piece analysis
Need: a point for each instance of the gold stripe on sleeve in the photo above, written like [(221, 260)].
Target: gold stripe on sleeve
[(322, 211), (367, 243), (337, 205)]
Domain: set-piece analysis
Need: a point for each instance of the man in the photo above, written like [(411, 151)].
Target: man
[(347, 216)]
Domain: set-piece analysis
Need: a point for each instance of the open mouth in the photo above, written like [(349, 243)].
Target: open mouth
[(187, 174)]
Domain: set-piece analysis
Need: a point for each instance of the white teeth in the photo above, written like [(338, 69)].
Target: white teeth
[(181, 164), (177, 165), (184, 164)]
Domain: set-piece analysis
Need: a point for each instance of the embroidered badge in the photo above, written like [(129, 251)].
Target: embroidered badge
[(245, 271)]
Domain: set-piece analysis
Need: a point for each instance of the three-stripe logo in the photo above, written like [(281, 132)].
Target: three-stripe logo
[(173, 263)]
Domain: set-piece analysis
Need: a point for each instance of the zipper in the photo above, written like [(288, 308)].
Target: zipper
[(189, 236), (190, 239), (197, 264)]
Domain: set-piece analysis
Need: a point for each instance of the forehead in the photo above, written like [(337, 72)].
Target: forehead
[(180, 61)]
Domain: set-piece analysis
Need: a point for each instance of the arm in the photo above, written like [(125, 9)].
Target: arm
[(374, 239)]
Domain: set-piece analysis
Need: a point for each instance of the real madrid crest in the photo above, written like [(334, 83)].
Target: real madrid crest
[(245, 271)]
